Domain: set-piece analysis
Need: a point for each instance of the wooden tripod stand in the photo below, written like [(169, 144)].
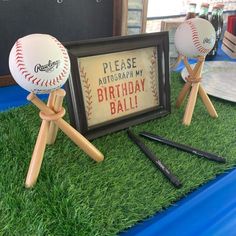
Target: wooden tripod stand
[(51, 116), (193, 84)]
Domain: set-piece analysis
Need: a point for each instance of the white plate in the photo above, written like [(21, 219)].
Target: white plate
[(218, 79)]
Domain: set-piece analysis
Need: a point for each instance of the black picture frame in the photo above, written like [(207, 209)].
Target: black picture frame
[(107, 47)]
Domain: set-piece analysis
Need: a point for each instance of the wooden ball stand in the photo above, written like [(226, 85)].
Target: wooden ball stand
[(193, 87), (51, 115)]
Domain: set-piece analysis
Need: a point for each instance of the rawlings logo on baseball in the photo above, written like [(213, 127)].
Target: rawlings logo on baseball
[(48, 67), (207, 41)]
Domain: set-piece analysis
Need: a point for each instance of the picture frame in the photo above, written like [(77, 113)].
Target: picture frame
[(118, 82)]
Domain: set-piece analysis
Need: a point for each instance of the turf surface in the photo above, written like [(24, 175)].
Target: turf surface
[(76, 196)]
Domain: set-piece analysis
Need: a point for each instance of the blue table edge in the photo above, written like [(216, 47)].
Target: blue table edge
[(205, 211)]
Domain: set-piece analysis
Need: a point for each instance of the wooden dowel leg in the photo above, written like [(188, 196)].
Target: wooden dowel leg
[(37, 157), (176, 63), (183, 94), (39, 149), (188, 67), (51, 103), (194, 73), (80, 140), (207, 102), (191, 104), (51, 99), (57, 106)]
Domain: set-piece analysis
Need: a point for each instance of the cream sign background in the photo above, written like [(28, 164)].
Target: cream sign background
[(119, 84)]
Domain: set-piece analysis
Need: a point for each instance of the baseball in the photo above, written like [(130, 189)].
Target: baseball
[(39, 63), (195, 37)]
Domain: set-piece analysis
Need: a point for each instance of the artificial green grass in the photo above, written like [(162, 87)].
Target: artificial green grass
[(76, 196)]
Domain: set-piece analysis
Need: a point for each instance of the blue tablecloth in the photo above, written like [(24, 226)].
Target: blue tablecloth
[(14, 96)]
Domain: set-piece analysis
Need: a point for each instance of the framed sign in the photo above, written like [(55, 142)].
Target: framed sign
[(118, 82)]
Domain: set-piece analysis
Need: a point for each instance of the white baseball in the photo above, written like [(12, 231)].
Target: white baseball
[(39, 63), (195, 37)]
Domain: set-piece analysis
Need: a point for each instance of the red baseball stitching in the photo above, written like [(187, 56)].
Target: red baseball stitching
[(88, 92), (19, 59), (195, 38), (153, 81)]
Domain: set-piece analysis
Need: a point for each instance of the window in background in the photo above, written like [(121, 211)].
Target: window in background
[(166, 8), (178, 7), (176, 11)]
